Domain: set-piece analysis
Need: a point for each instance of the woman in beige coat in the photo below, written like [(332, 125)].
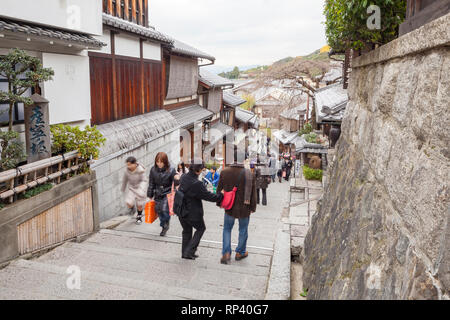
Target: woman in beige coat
[(136, 193)]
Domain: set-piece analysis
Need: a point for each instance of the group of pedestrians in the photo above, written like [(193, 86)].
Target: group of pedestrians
[(283, 168), (234, 179)]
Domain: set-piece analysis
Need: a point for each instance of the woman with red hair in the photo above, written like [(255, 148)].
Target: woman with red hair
[(161, 178)]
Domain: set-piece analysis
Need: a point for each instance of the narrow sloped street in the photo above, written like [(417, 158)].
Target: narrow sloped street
[(134, 262)]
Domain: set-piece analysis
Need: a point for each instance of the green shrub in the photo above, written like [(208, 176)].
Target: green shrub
[(12, 150), (311, 137), (307, 129), (312, 174), (37, 190), (67, 138), (346, 23)]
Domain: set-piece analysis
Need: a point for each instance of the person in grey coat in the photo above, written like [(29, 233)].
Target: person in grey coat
[(263, 179), (134, 185)]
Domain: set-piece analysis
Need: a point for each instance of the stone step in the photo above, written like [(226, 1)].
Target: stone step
[(51, 280), (261, 233), (30, 280), (163, 270), (122, 239), (254, 265), (15, 294)]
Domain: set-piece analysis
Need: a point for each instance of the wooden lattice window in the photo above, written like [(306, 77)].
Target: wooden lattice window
[(130, 10)]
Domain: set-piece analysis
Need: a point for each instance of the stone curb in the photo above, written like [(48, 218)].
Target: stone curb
[(279, 285)]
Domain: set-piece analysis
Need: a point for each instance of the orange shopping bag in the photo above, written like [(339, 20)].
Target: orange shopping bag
[(170, 199), (150, 212)]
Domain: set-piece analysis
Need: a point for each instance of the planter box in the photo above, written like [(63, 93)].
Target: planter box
[(67, 211)]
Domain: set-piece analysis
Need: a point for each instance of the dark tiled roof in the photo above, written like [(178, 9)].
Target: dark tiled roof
[(246, 116), (185, 49), (302, 146), (213, 80), (128, 133), (331, 102), (50, 33), (189, 115), (285, 137), (150, 32), (232, 100)]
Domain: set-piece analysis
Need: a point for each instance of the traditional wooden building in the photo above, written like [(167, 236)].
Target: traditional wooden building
[(60, 39), (420, 12), (311, 154), (292, 120), (181, 78), (330, 105), (144, 97), (127, 75), (220, 127)]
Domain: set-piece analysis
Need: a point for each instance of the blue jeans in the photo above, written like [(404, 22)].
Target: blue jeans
[(162, 209), (243, 234)]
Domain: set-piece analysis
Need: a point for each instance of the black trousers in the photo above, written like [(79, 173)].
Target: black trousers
[(190, 243), (264, 196)]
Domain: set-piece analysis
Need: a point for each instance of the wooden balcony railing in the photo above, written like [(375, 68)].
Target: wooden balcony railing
[(17, 181), (131, 10)]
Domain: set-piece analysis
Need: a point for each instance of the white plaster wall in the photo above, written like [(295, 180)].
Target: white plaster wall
[(105, 38), (110, 174), (80, 15), (152, 51), (69, 91), (127, 46)]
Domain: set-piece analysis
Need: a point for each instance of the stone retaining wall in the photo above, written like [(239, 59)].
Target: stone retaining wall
[(382, 230), (110, 171)]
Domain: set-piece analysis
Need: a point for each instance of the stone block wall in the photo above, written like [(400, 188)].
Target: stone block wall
[(109, 171), (382, 228)]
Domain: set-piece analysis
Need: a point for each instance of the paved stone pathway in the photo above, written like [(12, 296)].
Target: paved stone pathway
[(134, 262)]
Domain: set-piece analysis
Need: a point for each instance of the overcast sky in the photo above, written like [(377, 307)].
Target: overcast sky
[(243, 32)]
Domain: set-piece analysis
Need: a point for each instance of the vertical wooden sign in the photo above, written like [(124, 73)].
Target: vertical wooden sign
[(37, 129)]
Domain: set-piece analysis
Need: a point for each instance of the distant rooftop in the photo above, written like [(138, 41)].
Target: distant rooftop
[(188, 116), (213, 80), (185, 49), (232, 100), (246, 116), (292, 114)]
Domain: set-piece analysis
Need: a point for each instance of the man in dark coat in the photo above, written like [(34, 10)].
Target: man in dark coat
[(236, 175), (194, 192)]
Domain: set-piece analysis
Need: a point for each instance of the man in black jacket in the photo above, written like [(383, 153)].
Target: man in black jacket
[(194, 192)]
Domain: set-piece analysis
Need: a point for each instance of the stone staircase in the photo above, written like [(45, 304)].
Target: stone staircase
[(129, 265)]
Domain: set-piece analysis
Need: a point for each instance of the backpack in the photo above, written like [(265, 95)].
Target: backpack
[(178, 203)]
